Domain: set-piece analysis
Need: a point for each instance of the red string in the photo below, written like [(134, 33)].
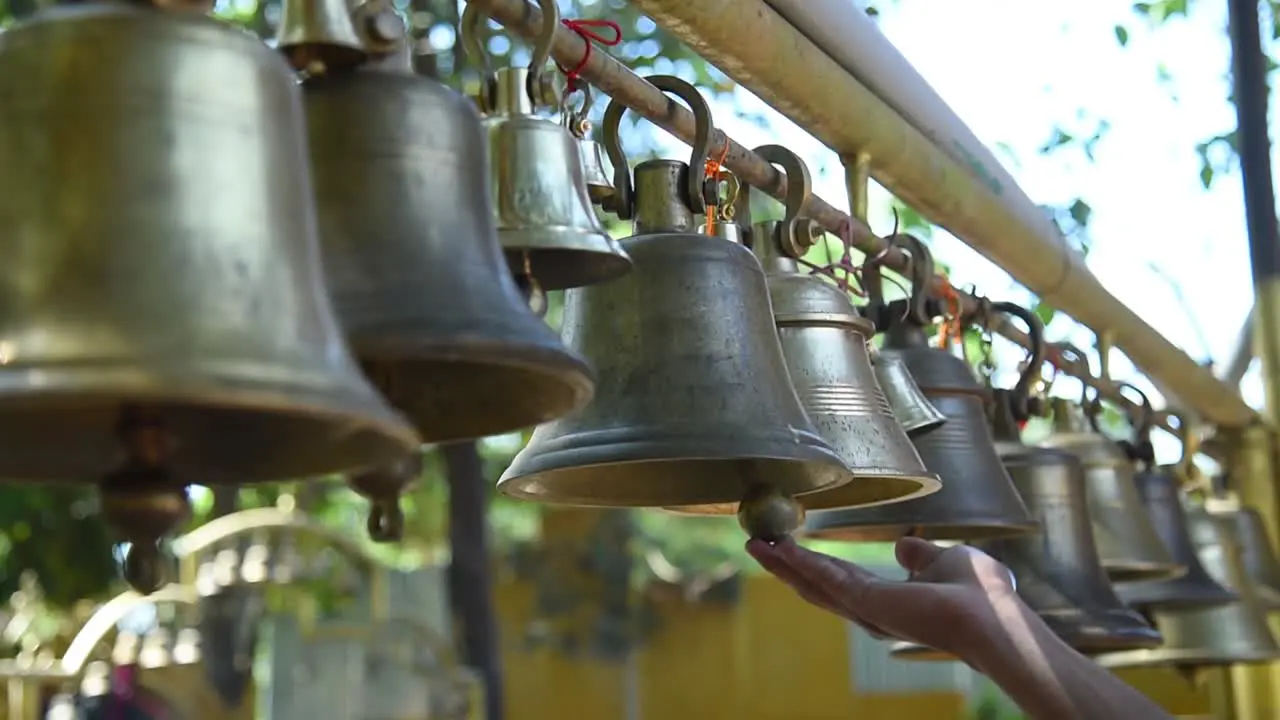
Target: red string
[(589, 36)]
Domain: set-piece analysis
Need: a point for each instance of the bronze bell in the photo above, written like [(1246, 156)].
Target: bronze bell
[(318, 36), (1227, 634), (824, 341), (597, 178), (1257, 554), (693, 405), (915, 413), (1159, 492), (545, 219), (977, 499), (383, 487), (413, 262), (214, 324), (1127, 542)]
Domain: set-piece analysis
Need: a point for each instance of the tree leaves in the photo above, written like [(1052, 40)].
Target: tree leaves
[(1122, 35)]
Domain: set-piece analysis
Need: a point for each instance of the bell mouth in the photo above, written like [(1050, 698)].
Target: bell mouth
[(1189, 658), (1107, 631), (563, 258), (453, 397), (1122, 571), (892, 532), (1184, 593), (916, 652), (673, 481), (862, 492)]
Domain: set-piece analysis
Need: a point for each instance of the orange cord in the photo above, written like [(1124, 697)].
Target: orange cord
[(711, 170), (951, 328)]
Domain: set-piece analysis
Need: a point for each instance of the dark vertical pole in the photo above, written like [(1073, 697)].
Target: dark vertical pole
[(470, 579), (1253, 691)]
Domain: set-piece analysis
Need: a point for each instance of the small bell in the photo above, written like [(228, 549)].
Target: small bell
[(1127, 542), (1257, 554), (214, 324), (915, 413), (383, 487), (598, 179), (694, 405), (977, 499), (413, 263), (544, 215), (318, 36), (1230, 634), (1159, 492), (824, 341)]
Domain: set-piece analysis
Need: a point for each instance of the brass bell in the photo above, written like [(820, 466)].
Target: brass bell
[(383, 487), (1127, 542), (413, 263), (824, 341), (211, 327), (693, 405), (1227, 634), (977, 499), (1256, 550), (915, 413), (318, 36), (598, 180), (545, 219), (1158, 490), (1058, 573)]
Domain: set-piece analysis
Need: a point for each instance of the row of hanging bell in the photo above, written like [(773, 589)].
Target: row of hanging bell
[(1130, 548), (977, 499), (546, 222), (1058, 570), (694, 405), (408, 225), (825, 343), (196, 342), (1230, 633)]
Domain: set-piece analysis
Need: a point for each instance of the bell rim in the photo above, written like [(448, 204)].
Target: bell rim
[(1164, 656), (892, 532), (608, 259), (1126, 571), (919, 652)]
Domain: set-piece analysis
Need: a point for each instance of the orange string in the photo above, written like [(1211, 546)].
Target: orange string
[(711, 170), (951, 327)]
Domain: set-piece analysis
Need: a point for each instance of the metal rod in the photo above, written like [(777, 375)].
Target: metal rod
[(1242, 355), (620, 83)]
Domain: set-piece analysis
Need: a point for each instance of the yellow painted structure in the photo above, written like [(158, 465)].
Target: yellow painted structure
[(770, 656)]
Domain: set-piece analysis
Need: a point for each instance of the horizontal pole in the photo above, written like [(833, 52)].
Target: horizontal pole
[(622, 84), (784, 68)]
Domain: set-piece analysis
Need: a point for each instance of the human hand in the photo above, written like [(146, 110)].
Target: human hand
[(955, 598)]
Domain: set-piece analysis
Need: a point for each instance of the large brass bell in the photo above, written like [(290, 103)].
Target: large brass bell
[(1057, 571), (977, 499), (1127, 542), (1160, 494), (824, 341), (545, 219), (915, 413), (164, 300), (413, 262), (693, 405), (1228, 634), (318, 36)]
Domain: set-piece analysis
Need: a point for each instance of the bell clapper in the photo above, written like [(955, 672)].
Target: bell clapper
[(531, 288), (767, 514), (143, 501), (383, 486)]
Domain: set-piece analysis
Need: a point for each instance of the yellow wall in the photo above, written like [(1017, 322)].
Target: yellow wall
[(769, 657)]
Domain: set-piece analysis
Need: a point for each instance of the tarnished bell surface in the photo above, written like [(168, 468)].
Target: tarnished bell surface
[(1159, 492), (693, 404), (413, 262), (913, 410), (1258, 556), (1227, 634), (597, 179), (1127, 542), (977, 499), (540, 199), (163, 255)]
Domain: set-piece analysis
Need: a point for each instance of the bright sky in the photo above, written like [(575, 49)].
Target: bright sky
[(1012, 70)]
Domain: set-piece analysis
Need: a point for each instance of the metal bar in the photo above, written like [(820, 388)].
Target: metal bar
[(620, 83), (1242, 355), (781, 66)]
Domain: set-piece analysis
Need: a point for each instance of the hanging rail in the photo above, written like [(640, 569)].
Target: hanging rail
[(619, 82)]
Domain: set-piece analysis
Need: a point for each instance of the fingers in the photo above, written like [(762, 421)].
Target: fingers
[(915, 554), (771, 559)]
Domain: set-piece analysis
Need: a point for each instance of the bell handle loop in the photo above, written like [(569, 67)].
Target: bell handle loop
[(623, 200), (541, 47), (799, 190), (473, 50), (1143, 421), (576, 120), (917, 310), (1021, 395)]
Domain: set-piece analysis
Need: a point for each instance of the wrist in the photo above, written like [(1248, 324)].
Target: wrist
[(1014, 641)]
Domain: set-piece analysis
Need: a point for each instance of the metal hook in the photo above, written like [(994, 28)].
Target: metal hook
[(1021, 395), (921, 276), (469, 28), (622, 202), (791, 235)]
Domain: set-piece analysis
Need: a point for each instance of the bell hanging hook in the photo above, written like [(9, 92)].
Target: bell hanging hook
[(536, 81), (1024, 406), (577, 120), (622, 203), (917, 304), (795, 234)]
